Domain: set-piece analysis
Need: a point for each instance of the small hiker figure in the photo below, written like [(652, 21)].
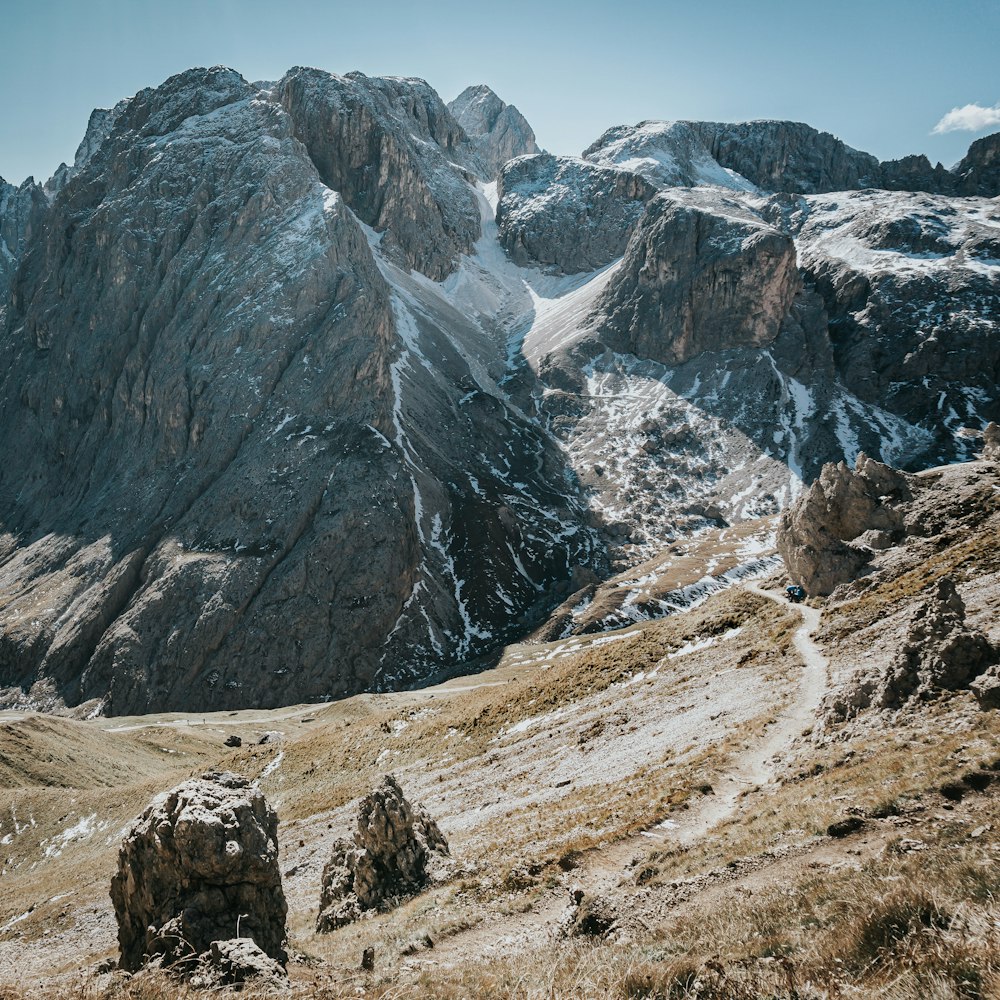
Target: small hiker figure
[(796, 594)]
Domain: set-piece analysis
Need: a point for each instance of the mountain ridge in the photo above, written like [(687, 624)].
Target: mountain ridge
[(383, 413)]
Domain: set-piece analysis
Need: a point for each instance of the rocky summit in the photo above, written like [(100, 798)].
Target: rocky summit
[(324, 385)]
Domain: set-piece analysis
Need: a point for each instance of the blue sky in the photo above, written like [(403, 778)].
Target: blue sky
[(880, 74)]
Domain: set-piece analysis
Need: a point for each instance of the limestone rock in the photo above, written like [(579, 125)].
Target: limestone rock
[(203, 191), (788, 156), (99, 127), (785, 156), (497, 130), (200, 865), (292, 523), (236, 962), (22, 210), (387, 859), (915, 173), (566, 214), (978, 172), (667, 154), (991, 442), (701, 273), (387, 146), (939, 653), (815, 534), (909, 302), (771, 155), (986, 688)]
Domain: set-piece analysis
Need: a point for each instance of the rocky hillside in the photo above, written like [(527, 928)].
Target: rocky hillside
[(657, 809), (297, 401)]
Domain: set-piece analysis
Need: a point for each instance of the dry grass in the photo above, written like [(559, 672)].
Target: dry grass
[(765, 906)]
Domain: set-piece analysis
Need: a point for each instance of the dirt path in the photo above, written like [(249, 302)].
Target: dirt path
[(757, 767), (602, 870)]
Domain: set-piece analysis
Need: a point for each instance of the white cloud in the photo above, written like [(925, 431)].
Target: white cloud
[(971, 118)]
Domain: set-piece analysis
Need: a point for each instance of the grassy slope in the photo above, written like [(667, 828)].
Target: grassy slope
[(766, 905)]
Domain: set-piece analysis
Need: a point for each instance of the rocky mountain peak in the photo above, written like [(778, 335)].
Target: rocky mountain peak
[(978, 173), (388, 146), (498, 130), (22, 208)]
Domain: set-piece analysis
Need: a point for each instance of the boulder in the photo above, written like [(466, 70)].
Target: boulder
[(842, 506), (991, 442), (986, 688), (939, 653), (200, 865), (701, 273), (386, 860), (235, 962)]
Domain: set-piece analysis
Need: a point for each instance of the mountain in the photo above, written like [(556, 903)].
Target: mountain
[(497, 130), (321, 385), (784, 156), (21, 212)]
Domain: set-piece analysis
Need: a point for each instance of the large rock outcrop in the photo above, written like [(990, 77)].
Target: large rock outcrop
[(939, 653), (829, 534), (911, 288), (387, 146), (991, 442), (387, 859), (566, 214), (497, 130), (667, 154), (788, 156), (199, 867), (978, 172), (22, 210), (784, 156), (770, 155), (200, 302), (701, 273)]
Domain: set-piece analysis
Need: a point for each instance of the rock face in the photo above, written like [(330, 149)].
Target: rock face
[(386, 145), (99, 127), (828, 535), (978, 173), (939, 654), (667, 154), (215, 498), (22, 210), (386, 860), (783, 156), (199, 867), (911, 292), (566, 214), (991, 442), (788, 156), (290, 524), (700, 273), (770, 155), (498, 131)]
